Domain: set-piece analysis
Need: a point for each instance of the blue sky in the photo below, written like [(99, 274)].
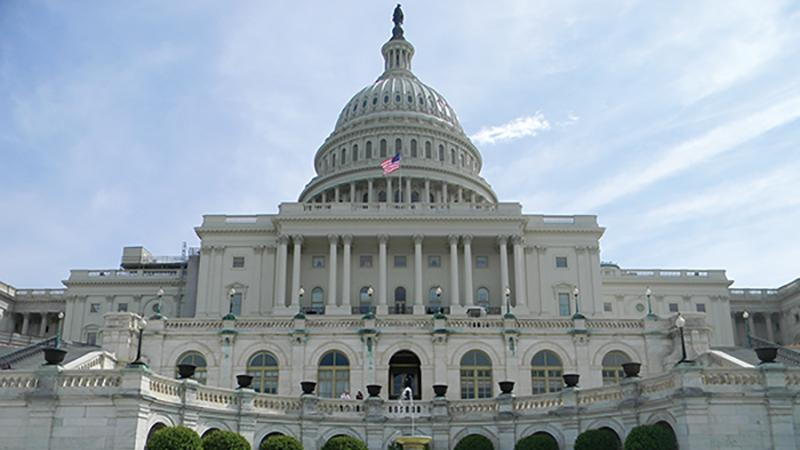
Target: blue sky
[(677, 123)]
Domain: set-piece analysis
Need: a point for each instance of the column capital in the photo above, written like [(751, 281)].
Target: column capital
[(333, 239), (347, 239), (453, 239), (466, 239), (297, 239), (418, 238), (283, 239), (259, 249), (518, 239), (502, 240), (383, 238)]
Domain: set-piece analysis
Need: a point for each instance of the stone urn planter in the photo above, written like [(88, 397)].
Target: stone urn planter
[(440, 390), (506, 386), (571, 379), (767, 354), (631, 369), (308, 387), (54, 356), (186, 371), (374, 390), (244, 381)]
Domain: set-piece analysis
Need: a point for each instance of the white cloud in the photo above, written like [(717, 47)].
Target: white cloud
[(515, 129)]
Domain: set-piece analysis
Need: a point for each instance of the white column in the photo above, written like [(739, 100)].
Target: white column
[(427, 198), (455, 301), (469, 299), (768, 322), (419, 305), (502, 241), (751, 325), (408, 190), (382, 307), (280, 271), (444, 192), (369, 191), (336, 194), (25, 322), (460, 194), (389, 196), (520, 294), (333, 241), (43, 324), (296, 257), (352, 192), (347, 240)]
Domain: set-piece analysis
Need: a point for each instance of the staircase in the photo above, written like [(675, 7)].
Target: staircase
[(23, 353)]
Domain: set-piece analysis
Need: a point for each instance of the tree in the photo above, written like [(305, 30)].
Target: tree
[(650, 437), (344, 443), (602, 439), (280, 442), (225, 440), (538, 441), (474, 442), (175, 438)]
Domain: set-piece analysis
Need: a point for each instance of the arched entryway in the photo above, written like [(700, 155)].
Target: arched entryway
[(666, 426), (157, 426), (404, 370)]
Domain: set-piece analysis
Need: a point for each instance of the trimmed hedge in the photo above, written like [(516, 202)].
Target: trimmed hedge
[(280, 442), (225, 440), (597, 440), (175, 438), (344, 443), (539, 441), (650, 437), (474, 442)]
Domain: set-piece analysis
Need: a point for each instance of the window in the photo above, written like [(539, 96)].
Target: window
[(383, 148), (607, 307), (333, 160), (236, 304), (546, 370), (355, 153), (400, 261), (94, 308), (400, 300), (369, 150), (263, 367), (91, 338), (122, 307), (481, 262), (441, 152), (476, 375), (333, 376), (673, 307), (364, 300), (701, 307), (199, 362), (435, 261), (564, 304), (561, 262), (238, 262), (344, 156), (612, 367), (483, 297), (365, 261), (318, 300), (398, 145), (428, 149), (318, 262), (413, 148)]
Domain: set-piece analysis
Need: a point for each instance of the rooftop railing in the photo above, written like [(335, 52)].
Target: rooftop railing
[(681, 274)]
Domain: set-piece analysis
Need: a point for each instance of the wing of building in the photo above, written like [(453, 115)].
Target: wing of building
[(421, 278)]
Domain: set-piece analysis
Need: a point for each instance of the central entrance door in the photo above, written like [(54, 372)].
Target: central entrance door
[(404, 371)]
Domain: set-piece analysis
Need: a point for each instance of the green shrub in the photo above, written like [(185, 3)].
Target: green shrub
[(344, 443), (538, 441), (396, 446), (474, 442), (280, 442), (175, 438), (597, 440), (650, 437), (225, 440)]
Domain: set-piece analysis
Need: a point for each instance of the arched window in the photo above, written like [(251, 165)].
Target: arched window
[(369, 150), (263, 366), (344, 156), (612, 366), (333, 375), (546, 370), (441, 152), (355, 152), (428, 149), (476, 375), (383, 148), (400, 300), (483, 297), (413, 148), (434, 300), (452, 157), (333, 159), (404, 371), (198, 361), (398, 145), (398, 196), (318, 300)]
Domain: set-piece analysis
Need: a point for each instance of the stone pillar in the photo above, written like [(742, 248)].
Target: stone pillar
[(43, 324), (460, 194), (347, 240), (768, 323), (408, 190), (751, 325), (26, 317), (419, 304), (297, 240), (389, 196), (454, 297), (427, 198), (502, 242), (520, 291), (336, 194), (382, 307), (333, 241), (444, 192), (352, 192), (280, 273), (369, 191), (469, 299)]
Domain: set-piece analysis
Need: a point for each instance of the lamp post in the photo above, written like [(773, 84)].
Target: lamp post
[(230, 315), (300, 293), (746, 317), (507, 294), (438, 292), (648, 293), (680, 322), (577, 292), (370, 293), (157, 315), (138, 361), (58, 329)]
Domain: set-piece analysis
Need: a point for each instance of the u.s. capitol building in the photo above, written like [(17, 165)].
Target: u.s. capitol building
[(417, 277)]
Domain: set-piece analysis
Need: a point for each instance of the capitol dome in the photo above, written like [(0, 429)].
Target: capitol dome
[(398, 115)]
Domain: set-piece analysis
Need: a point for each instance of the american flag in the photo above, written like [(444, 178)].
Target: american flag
[(391, 164)]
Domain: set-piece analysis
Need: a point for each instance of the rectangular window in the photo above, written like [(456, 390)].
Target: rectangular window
[(236, 304), (318, 262), (94, 308), (561, 262), (122, 307), (673, 307), (701, 307), (481, 262), (91, 338), (400, 261), (434, 261), (563, 304), (607, 307), (365, 261), (238, 262)]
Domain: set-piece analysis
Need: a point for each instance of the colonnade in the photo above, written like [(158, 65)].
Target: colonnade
[(398, 189)]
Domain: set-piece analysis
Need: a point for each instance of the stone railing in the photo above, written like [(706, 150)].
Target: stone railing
[(216, 398), (7, 289), (729, 376), (18, 381), (164, 388), (341, 408), (665, 275), (538, 403), (598, 395), (615, 324), (271, 404), (486, 406), (93, 361), (419, 409), (90, 379)]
